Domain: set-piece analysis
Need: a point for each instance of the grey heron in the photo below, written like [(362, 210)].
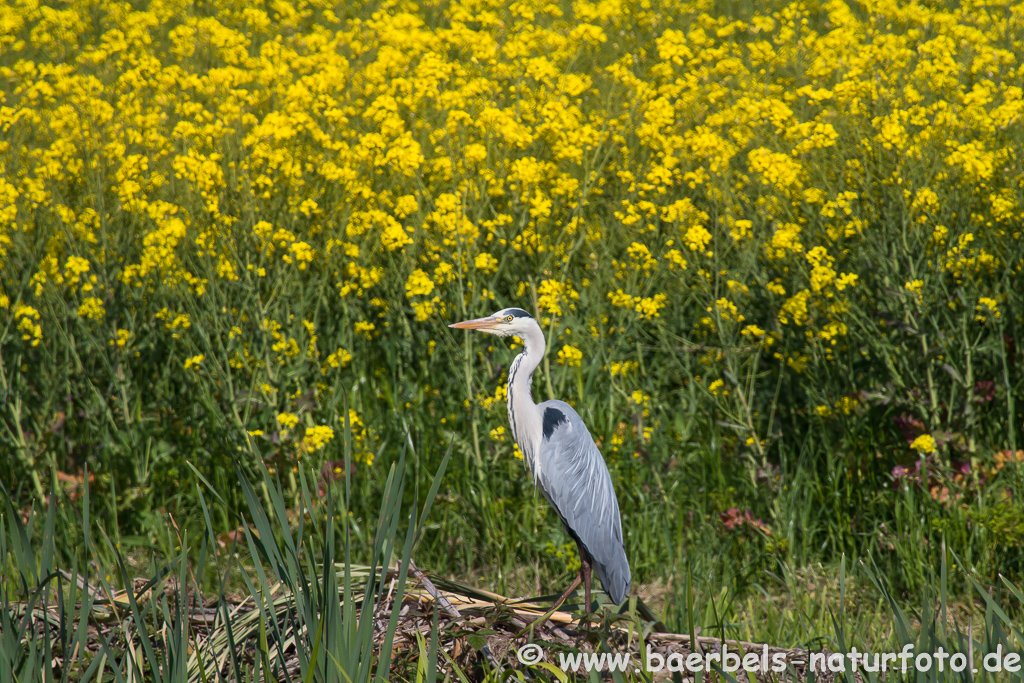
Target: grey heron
[(566, 465)]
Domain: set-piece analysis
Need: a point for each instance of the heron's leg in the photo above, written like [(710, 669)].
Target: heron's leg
[(558, 603), (568, 591), (585, 573)]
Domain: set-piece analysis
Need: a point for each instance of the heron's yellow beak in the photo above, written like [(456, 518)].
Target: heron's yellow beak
[(477, 324)]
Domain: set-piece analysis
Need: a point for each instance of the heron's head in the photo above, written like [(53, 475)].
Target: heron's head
[(505, 323)]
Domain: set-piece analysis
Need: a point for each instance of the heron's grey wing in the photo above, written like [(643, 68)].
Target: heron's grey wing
[(575, 480)]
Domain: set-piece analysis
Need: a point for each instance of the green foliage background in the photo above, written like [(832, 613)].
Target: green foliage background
[(784, 239)]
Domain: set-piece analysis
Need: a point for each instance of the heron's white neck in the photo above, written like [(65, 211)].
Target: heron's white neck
[(523, 414)]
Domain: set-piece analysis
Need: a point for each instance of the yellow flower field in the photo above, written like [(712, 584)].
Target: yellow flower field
[(243, 228)]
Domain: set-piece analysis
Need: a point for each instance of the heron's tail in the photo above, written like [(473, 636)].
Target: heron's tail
[(615, 577)]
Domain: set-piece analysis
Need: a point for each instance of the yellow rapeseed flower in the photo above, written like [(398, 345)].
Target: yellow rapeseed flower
[(697, 238), (675, 257), (316, 438), (74, 268), (121, 339), (287, 420), (425, 309), (418, 284), (339, 358), (641, 255), (91, 308), (623, 368), (986, 307), (649, 307), (30, 329), (640, 398), (485, 262), (726, 310), (846, 405), (301, 252), (570, 355), (795, 308), (846, 280), (552, 295), (924, 444)]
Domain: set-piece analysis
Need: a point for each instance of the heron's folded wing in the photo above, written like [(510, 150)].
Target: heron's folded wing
[(575, 479)]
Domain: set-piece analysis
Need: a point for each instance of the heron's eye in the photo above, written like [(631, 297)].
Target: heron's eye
[(508, 318)]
